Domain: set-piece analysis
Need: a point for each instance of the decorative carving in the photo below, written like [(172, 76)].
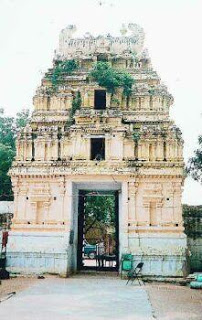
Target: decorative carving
[(85, 47), (142, 146)]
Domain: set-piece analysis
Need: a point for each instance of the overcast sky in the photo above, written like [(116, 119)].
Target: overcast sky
[(29, 31)]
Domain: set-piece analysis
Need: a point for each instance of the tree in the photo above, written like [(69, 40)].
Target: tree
[(22, 118), (99, 214), (194, 167), (7, 130), (9, 126), (7, 154)]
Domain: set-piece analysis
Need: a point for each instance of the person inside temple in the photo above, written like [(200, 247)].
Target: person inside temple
[(100, 253)]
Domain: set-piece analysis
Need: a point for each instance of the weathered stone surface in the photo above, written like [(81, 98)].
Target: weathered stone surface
[(143, 160)]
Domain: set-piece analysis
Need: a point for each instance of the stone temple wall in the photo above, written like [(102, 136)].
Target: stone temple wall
[(143, 160)]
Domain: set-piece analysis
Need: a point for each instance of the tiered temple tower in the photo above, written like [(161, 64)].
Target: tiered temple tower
[(83, 137)]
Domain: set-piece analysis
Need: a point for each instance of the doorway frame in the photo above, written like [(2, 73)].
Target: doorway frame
[(81, 214), (104, 185)]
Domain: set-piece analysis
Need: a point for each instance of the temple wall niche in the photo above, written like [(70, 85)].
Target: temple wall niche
[(143, 102), (128, 149), (115, 151), (47, 148), (158, 204), (66, 149), (48, 103), (40, 202), (80, 147), (146, 103), (141, 214)]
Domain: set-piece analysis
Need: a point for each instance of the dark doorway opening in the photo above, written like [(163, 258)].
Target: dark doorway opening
[(98, 149), (102, 57), (100, 100), (98, 232)]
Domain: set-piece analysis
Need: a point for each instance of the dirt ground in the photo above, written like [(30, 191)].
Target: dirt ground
[(169, 301), (175, 302), (15, 285)]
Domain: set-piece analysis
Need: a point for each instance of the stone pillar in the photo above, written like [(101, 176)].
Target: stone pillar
[(23, 201), (177, 203), (91, 98), (123, 219), (33, 212), (170, 151), (151, 104), (18, 151), (107, 147), (68, 200), (180, 151), (86, 99), (46, 206), (108, 99), (146, 206), (140, 147), (38, 149), (159, 206), (62, 188), (133, 187), (88, 148), (54, 148), (15, 187), (29, 149), (175, 150), (145, 150), (74, 142), (48, 155), (159, 151), (22, 151)]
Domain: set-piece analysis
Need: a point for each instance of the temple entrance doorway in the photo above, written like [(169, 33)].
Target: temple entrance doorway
[(98, 234)]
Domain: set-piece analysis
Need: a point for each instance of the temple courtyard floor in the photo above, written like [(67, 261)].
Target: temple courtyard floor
[(96, 297)]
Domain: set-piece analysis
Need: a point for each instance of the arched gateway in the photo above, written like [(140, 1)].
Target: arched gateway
[(99, 169)]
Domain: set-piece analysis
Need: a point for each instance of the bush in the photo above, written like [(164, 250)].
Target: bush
[(63, 67), (76, 104), (111, 79)]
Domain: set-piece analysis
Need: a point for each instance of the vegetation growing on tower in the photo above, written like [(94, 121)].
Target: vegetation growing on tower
[(111, 78), (76, 104), (63, 67)]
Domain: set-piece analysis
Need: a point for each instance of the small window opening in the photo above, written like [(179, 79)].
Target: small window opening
[(140, 103), (100, 99), (48, 103), (151, 103), (33, 146), (150, 152), (136, 150), (98, 149), (59, 151), (164, 151), (46, 152), (102, 57)]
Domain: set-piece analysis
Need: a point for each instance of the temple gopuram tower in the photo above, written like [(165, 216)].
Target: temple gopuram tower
[(100, 125)]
